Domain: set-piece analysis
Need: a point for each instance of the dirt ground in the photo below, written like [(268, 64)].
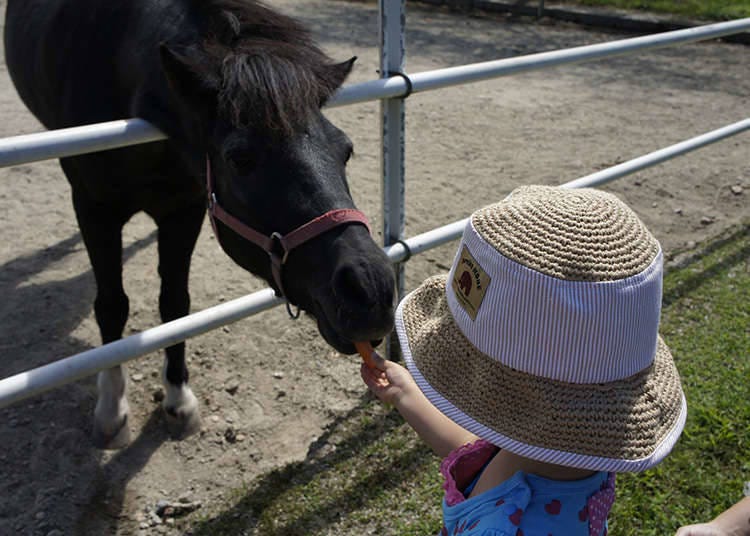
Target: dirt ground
[(273, 382)]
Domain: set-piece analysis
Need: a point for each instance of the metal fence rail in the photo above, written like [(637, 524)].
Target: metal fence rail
[(85, 139), (73, 141)]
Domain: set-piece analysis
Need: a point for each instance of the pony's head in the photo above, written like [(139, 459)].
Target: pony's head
[(253, 88)]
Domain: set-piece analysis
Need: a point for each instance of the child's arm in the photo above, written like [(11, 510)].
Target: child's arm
[(393, 384), (735, 521)]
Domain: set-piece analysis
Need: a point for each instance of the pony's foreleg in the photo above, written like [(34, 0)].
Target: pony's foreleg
[(177, 236), (101, 229), (111, 429)]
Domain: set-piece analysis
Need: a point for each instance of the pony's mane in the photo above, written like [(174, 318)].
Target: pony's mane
[(273, 74)]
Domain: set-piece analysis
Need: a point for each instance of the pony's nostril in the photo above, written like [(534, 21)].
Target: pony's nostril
[(350, 284)]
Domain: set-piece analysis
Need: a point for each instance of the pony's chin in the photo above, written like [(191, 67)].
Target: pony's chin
[(341, 343), (332, 337)]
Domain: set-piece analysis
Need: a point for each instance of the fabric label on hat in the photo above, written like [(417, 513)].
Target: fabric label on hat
[(469, 283)]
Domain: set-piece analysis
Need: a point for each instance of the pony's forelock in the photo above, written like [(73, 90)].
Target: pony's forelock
[(273, 74)]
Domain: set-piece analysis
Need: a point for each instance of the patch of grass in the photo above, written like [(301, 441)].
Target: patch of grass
[(706, 324), (369, 463), (693, 9), (369, 474)]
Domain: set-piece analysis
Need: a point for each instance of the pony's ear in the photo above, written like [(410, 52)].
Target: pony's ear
[(340, 71), (334, 76), (189, 74)]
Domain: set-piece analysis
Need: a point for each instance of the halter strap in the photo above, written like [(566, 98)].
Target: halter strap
[(277, 245)]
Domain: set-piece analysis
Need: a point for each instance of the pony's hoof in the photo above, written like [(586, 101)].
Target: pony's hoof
[(112, 439), (182, 423)]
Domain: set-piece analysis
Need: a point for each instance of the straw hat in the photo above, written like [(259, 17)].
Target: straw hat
[(543, 338)]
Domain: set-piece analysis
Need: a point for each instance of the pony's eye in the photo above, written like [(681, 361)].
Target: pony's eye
[(242, 160)]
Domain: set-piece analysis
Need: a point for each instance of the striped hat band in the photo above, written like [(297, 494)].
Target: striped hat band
[(572, 331)]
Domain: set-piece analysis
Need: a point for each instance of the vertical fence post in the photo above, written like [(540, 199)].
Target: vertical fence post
[(392, 119)]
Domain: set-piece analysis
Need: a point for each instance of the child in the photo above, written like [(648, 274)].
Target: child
[(536, 366)]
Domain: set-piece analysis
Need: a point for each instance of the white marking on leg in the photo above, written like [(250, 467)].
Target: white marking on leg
[(181, 406), (177, 396), (112, 407)]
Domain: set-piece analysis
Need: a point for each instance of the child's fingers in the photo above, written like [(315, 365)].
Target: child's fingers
[(370, 374), (375, 380)]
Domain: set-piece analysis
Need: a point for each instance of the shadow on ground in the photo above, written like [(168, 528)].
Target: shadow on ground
[(107, 489), (51, 432), (337, 473), (698, 278), (72, 298)]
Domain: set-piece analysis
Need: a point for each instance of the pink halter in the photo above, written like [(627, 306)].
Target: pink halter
[(277, 245)]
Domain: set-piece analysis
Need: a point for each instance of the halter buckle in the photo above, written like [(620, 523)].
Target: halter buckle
[(278, 240)]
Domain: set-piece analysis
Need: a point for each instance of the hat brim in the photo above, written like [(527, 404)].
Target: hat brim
[(625, 425)]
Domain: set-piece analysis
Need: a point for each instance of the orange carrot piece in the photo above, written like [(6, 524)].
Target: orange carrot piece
[(365, 350)]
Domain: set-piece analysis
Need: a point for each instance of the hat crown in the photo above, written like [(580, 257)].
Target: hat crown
[(560, 284), (576, 235)]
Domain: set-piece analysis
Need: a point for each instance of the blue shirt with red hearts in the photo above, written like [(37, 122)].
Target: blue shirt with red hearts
[(525, 504)]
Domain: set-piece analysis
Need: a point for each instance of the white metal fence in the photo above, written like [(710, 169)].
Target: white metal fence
[(390, 89)]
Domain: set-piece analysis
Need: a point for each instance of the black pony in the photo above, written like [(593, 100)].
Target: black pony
[(238, 89)]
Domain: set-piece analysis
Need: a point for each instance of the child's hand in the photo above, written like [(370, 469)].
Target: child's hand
[(731, 522), (389, 381), (393, 384), (702, 529)]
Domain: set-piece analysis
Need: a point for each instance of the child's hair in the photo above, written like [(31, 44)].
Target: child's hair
[(543, 338)]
